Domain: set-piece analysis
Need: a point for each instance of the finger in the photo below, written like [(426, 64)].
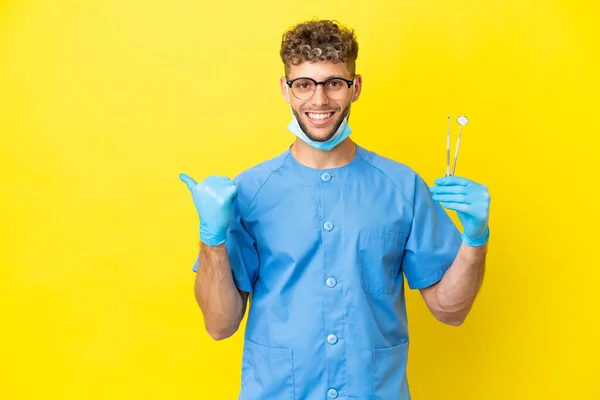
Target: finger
[(452, 180), (230, 192), (191, 184), (456, 206), (211, 180), (451, 198), (217, 180), (448, 190)]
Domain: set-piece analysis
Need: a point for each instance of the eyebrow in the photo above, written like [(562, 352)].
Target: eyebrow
[(329, 77)]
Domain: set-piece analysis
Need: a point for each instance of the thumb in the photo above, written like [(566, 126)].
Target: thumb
[(191, 184)]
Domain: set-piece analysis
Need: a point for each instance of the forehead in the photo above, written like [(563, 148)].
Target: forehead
[(319, 70)]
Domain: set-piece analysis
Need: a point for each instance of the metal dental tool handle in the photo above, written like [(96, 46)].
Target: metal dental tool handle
[(462, 121), (448, 150)]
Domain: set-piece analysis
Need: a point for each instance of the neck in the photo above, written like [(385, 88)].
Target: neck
[(337, 157)]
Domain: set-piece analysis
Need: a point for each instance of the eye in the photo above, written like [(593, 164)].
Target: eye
[(335, 84), (303, 85)]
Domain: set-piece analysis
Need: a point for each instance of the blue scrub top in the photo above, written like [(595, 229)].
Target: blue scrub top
[(325, 254)]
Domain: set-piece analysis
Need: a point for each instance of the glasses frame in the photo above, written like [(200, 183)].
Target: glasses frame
[(291, 81)]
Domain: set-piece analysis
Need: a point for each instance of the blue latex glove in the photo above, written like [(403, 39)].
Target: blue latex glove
[(471, 201), (213, 198)]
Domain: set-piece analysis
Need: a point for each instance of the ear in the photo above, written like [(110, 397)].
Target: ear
[(284, 89), (357, 87)]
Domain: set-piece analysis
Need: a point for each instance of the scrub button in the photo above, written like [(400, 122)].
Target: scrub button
[(332, 394), (332, 339), (326, 176), (331, 282), (328, 226)]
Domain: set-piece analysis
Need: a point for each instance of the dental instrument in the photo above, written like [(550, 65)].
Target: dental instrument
[(462, 121)]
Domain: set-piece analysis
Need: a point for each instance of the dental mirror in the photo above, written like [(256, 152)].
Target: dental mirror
[(462, 121)]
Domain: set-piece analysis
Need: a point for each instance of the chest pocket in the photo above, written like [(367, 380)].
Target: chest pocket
[(380, 257)]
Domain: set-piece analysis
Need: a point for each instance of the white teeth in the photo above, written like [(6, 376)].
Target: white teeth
[(319, 116)]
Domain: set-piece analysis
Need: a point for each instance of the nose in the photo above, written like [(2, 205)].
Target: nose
[(320, 98)]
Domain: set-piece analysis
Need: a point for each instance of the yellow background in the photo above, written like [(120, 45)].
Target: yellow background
[(104, 102)]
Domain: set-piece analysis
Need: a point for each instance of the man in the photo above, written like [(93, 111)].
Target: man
[(324, 236)]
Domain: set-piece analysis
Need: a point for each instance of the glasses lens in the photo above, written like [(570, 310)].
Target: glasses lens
[(303, 88), (336, 88)]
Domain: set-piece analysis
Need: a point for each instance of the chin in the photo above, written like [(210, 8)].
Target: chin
[(319, 137), (320, 134)]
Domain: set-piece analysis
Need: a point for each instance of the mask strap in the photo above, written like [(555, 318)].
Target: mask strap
[(351, 96)]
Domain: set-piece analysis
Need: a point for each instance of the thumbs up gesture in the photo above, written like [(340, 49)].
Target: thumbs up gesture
[(213, 198)]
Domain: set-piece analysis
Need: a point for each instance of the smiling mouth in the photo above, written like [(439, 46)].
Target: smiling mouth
[(320, 117)]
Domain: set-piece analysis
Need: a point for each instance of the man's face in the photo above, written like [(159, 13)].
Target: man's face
[(320, 116)]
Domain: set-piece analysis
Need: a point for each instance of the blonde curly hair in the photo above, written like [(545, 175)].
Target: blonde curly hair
[(319, 40)]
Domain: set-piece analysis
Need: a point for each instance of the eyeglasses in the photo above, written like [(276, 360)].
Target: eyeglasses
[(304, 88)]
